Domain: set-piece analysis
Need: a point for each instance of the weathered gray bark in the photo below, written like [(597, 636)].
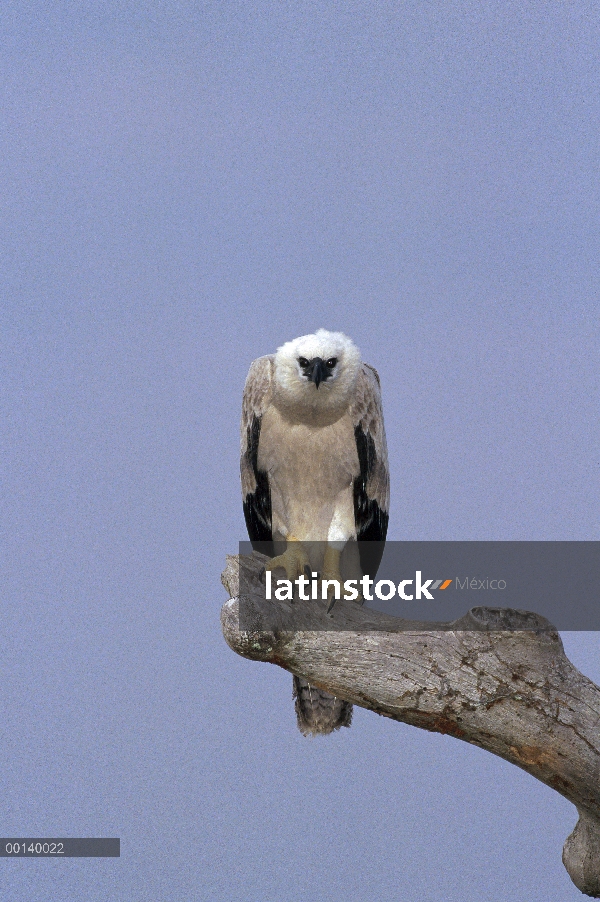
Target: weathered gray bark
[(511, 691)]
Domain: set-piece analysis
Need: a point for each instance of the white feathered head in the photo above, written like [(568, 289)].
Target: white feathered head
[(318, 371)]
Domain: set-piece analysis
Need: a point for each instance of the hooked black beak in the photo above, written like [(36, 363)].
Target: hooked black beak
[(318, 371)]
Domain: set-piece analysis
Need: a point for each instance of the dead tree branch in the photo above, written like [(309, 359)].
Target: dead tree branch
[(499, 680)]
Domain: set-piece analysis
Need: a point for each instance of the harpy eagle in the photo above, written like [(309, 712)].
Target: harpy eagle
[(314, 469)]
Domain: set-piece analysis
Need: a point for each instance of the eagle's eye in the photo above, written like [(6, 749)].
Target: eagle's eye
[(331, 362), (303, 362)]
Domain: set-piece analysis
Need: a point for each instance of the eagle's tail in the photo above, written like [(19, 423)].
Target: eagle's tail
[(318, 712)]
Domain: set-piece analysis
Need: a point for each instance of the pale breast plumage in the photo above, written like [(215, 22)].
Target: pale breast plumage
[(351, 451)]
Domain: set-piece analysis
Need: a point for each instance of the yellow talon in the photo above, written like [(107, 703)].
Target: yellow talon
[(331, 571), (294, 560)]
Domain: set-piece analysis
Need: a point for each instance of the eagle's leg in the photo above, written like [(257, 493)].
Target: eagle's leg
[(294, 560), (331, 571)]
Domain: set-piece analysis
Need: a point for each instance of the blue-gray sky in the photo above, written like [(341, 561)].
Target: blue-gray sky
[(186, 186)]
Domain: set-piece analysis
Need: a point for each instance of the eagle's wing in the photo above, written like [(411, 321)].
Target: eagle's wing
[(256, 492), (372, 485)]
